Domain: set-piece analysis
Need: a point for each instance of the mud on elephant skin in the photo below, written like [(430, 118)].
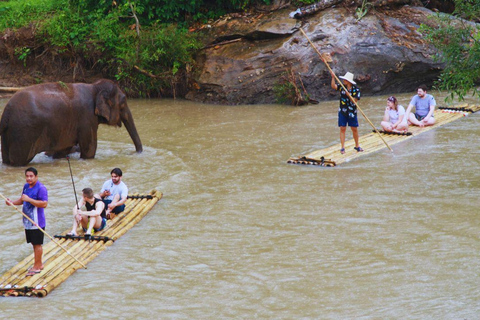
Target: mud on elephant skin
[(55, 117)]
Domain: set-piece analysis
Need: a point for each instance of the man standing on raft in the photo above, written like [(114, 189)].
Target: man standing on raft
[(34, 199), (424, 107), (347, 113)]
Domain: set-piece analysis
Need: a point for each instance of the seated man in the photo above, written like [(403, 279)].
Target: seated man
[(93, 218), (424, 107), (114, 194)]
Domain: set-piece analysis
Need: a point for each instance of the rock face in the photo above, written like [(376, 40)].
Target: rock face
[(249, 55)]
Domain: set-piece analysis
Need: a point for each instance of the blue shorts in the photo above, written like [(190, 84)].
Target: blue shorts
[(117, 210), (102, 226), (343, 120)]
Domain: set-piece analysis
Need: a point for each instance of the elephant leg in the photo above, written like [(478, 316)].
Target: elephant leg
[(21, 147), (21, 156), (88, 145)]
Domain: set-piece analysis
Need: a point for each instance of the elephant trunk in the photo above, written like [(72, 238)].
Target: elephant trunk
[(128, 122)]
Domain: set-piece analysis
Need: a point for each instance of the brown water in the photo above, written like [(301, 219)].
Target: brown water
[(241, 234)]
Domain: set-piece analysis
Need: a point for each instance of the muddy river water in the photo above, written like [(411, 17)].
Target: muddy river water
[(241, 234)]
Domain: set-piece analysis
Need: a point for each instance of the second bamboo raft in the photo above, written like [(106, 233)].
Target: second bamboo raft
[(331, 156), (59, 265)]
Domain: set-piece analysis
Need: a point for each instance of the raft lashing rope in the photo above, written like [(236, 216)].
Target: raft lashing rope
[(394, 133), (88, 238), (322, 162), (149, 197), (465, 111), (15, 291)]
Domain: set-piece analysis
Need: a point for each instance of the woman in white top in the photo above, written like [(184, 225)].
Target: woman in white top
[(393, 118)]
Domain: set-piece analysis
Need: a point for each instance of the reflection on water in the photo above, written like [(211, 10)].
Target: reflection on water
[(241, 234)]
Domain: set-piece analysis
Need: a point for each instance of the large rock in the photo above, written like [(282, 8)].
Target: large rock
[(384, 50)]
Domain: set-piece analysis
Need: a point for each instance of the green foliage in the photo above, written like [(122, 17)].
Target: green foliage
[(284, 92), (17, 13), (103, 34), (288, 90), (362, 10), (22, 54), (458, 42)]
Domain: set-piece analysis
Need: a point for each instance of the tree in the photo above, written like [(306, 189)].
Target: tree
[(457, 39)]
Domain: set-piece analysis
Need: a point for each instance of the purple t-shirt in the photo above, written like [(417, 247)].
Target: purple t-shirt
[(37, 192)]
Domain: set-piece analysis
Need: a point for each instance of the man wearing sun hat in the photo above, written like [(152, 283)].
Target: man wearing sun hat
[(347, 113)]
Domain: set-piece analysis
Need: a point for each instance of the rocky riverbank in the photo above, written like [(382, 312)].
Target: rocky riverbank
[(249, 55)]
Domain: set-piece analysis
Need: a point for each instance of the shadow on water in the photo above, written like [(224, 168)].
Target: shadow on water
[(241, 234)]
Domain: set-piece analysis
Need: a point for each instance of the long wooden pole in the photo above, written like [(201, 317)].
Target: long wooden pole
[(348, 93), (44, 232)]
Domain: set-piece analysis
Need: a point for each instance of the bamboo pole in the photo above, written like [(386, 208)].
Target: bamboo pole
[(84, 250), (14, 275), (44, 232), (50, 267), (348, 93), (122, 219), (122, 226), (22, 264), (52, 282), (136, 218)]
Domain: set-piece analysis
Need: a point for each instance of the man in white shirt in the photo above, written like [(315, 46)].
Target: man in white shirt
[(114, 194)]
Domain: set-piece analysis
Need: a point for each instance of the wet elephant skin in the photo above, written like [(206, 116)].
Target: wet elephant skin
[(56, 117)]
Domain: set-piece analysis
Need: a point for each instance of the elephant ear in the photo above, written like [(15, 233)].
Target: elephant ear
[(102, 107)]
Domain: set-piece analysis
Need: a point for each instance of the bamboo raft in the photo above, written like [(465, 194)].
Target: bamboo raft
[(58, 265), (331, 156)]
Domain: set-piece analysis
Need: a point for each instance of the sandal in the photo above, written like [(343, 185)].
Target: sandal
[(359, 149), (41, 268), (32, 272), (342, 151)]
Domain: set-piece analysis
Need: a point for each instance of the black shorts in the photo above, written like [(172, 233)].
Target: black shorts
[(34, 236), (420, 118)]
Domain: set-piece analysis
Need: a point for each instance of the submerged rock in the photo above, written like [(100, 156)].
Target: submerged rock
[(248, 55)]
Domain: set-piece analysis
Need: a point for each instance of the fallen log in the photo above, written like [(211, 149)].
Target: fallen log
[(10, 89)]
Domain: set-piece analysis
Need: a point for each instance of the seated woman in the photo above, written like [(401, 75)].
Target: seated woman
[(93, 219), (393, 118)]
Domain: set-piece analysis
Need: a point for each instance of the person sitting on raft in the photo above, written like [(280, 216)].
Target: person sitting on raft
[(93, 219), (114, 193), (424, 108), (393, 118)]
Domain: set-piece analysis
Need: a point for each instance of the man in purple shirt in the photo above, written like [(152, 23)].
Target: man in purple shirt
[(34, 199)]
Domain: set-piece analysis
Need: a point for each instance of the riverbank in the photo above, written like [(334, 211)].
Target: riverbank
[(254, 57)]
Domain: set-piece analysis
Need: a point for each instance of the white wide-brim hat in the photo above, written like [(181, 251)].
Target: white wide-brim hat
[(349, 77)]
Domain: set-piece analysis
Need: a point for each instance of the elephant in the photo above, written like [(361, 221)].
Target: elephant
[(56, 117)]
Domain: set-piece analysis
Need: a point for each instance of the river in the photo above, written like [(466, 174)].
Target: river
[(241, 234)]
